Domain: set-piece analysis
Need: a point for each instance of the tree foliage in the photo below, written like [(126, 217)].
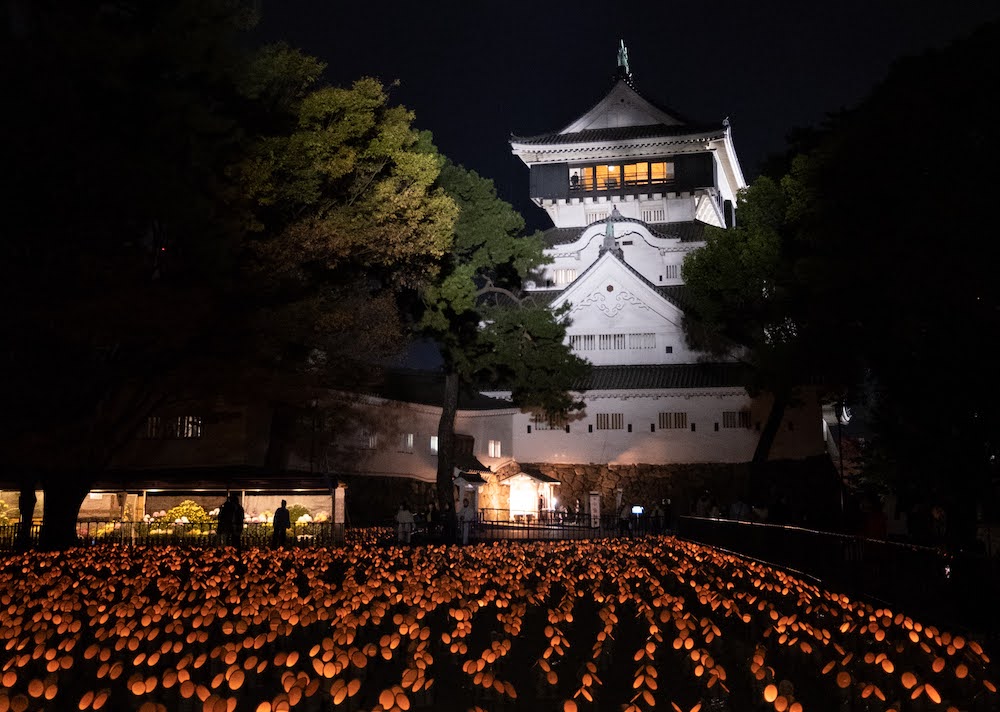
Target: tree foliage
[(191, 215), (893, 193), (870, 265), (489, 333), (753, 295)]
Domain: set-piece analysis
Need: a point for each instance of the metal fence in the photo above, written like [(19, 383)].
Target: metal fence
[(92, 533), (957, 586), (951, 586)]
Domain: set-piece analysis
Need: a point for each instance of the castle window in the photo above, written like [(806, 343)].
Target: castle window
[(662, 172), (671, 271), (367, 440), (610, 421), (406, 442), (540, 421), (581, 178), (153, 428), (608, 177), (184, 427), (613, 176), (636, 173), (673, 420), (611, 342), (564, 276), (582, 342), (434, 444), (642, 341), (494, 448), (736, 419)]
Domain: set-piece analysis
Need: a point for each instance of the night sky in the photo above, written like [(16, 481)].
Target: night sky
[(476, 72)]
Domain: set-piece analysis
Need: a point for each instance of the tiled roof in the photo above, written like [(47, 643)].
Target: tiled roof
[(536, 474), (427, 388), (690, 231), (676, 294), (471, 469), (697, 375), (626, 133)]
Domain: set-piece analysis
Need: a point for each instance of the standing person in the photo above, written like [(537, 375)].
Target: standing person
[(624, 514), (465, 518), (226, 523), (237, 528), (433, 520), (657, 517), (282, 521), (404, 523)]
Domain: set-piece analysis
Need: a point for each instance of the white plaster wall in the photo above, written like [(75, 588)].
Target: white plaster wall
[(394, 419), (485, 426), (612, 300), (646, 259), (677, 207), (641, 410)]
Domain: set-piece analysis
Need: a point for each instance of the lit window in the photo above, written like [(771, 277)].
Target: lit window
[(183, 427), (581, 178), (636, 173), (406, 442), (494, 448), (610, 421), (661, 172), (736, 419), (434, 443), (367, 440), (673, 421), (608, 177)]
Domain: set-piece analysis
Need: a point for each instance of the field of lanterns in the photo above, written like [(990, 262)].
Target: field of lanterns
[(631, 625)]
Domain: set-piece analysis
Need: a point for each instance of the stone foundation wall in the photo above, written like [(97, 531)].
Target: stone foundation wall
[(376, 499)]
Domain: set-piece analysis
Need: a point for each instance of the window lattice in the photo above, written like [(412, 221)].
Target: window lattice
[(582, 342), (610, 421), (736, 419), (673, 421)]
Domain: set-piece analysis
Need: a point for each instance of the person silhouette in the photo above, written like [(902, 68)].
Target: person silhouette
[(225, 528), (282, 521), (465, 517), (236, 531)]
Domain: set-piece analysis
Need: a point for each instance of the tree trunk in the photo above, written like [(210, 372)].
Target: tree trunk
[(446, 446), (770, 431), (758, 465), (63, 497), (26, 508)]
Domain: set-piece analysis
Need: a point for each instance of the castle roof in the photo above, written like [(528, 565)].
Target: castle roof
[(625, 115), (664, 376), (689, 231)]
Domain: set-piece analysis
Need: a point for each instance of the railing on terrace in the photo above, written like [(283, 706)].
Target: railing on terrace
[(956, 586), (91, 533), (492, 525)]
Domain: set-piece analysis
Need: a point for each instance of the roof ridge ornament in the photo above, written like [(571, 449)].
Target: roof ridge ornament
[(609, 244), (624, 72)]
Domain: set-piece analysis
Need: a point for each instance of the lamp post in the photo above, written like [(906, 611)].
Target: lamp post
[(843, 418)]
